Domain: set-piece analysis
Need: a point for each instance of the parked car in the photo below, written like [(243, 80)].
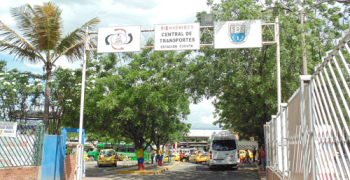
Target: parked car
[(107, 157), (174, 157), (242, 153), (192, 157), (198, 157)]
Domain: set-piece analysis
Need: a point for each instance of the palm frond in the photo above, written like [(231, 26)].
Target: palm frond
[(24, 17), (73, 39), (18, 46), (75, 52), (18, 52), (47, 26)]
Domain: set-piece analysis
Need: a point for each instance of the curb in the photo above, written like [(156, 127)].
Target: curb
[(148, 172)]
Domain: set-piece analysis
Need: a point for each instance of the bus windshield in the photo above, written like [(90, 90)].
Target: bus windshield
[(224, 145)]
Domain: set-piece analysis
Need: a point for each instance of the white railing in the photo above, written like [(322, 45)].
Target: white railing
[(310, 137)]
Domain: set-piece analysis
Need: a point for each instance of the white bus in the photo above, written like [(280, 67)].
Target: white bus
[(223, 150)]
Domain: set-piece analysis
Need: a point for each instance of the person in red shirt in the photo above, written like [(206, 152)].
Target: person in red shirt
[(262, 155), (181, 156)]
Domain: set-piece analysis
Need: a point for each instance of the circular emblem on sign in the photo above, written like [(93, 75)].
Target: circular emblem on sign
[(118, 39), (237, 33)]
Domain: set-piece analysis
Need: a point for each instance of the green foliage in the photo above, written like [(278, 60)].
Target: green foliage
[(69, 151), (244, 80), (42, 41), (134, 102), (141, 101), (19, 94)]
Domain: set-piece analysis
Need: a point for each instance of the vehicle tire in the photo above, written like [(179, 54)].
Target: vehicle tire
[(98, 165), (195, 161), (210, 168)]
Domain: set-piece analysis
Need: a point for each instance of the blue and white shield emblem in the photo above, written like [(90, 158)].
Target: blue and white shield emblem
[(237, 33)]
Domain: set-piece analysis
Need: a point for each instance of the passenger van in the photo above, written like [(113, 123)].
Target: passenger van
[(223, 150)]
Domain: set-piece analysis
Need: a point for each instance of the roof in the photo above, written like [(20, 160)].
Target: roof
[(203, 133)]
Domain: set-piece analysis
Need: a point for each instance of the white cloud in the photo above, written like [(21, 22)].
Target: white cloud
[(39, 65), (208, 120), (205, 104), (63, 63)]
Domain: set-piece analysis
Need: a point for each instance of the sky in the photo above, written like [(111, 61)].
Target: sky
[(117, 13)]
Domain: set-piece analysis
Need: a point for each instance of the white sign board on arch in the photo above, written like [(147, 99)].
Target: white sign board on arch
[(119, 39), (237, 34), (170, 37)]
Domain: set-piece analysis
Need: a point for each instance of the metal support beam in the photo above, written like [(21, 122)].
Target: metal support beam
[(277, 39), (304, 79)]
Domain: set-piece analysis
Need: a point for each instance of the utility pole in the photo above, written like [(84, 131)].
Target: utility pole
[(304, 43), (302, 22)]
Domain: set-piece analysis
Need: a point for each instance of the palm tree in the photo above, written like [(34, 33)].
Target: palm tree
[(42, 40)]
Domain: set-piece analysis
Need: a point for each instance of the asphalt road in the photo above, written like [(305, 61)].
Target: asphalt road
[(182, 171)]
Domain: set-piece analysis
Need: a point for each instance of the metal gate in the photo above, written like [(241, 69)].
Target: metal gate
[(25, 149), (309, 137)]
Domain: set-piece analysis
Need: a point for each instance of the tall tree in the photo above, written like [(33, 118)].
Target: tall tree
[(244, 80), (19, 94), (42, 40)]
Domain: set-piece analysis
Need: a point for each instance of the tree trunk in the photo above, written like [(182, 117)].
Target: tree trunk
[(140, 159), (47, 96)]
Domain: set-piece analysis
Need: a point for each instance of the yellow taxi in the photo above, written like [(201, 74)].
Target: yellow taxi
[(198, 157), (174, 157), (107, 157), (242, 154)]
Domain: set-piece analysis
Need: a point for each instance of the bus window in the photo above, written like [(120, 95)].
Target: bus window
[(224, 145), (121, 148), (131, 148), (108, 146)]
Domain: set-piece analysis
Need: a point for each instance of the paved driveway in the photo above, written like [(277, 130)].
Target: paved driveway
[(182, 171)]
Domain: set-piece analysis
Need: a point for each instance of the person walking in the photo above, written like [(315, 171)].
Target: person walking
[(254, 154), (116, 162), (181, 156), (247, 159), (187, 156), (170, 154), (153, 153), (262, 155)]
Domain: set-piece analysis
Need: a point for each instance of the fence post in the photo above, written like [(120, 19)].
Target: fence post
[(311, 130), (274, 141), (283, 130), (304, 79), (40, 135), (267, 143)]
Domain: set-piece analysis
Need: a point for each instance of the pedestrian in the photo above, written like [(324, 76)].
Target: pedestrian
[(187, 156), (116, 162), (181, 156), (153, 153), (170, 155), (262, 155), (254, 154), (247, 159)]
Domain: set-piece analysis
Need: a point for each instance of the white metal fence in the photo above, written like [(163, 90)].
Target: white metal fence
[(309, 137)]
